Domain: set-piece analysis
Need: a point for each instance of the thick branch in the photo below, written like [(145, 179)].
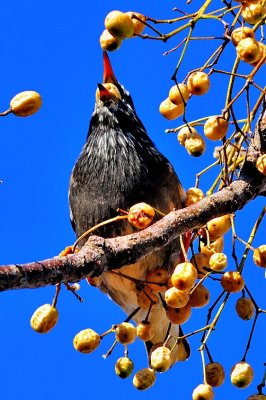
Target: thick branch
[(99, 254)]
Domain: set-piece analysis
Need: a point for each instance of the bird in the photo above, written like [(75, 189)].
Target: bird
[(120, 166)]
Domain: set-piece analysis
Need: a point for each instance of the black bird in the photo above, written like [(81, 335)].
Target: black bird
[(118, 167)]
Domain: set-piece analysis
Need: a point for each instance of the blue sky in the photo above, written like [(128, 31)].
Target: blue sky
[(53, 48)]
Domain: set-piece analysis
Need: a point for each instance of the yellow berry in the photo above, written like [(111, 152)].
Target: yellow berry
[(185, 133), (218, 226), (179, 93), (44, 318), (218, 261), (261, 56), (86, 341), (125, 333), (119, 24), (144, 379), (203, 392), (161, 359), (242, 375), (261, 164), (145, 331), (184, 276), (137, 25), (178, 315), (248, 50), (216, 127), (214, 374), (195, 145), (124, 367), (26, 103), (194, 195), (232, 282), (141, 215), (109, 42), (245, 308), (241, 33), (198, 83), (253, 12), (199, 297), (176, 298), (170, 110), (158, 279), (214, 247), (259, 256)]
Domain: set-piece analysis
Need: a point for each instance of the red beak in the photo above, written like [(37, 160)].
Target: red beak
[(108, 73)]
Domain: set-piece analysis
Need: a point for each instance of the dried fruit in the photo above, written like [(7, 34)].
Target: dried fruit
[(109, 42), (124, 367), (125, 333), (248, 50), (232, 282), (241, 33), (198, 83), (170, 110), (195, 145), (86, 341), (178, 315), (261, 164), (144, 379), (214, 374), (201, 262), (216, 127), (200, 297), (179, 93), (214, 247), (145, 331), (158, 279), (194, 195), (137, 25), (112, 89), (242, 375), (184, 276), (119, 24), (218, 226), (259, 256), (176, 298), (44, 318), (26, 103), (161, 359), (185, 133), (218, 261), (245, 308), (203, 392), (141, 215), (253, 12)]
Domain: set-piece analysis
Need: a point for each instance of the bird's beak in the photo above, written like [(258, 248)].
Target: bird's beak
[(108, 73)]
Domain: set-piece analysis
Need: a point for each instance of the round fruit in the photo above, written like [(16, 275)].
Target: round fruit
[(178, 94), (203, 392), (184, 276), (176, 298), (44, 318), (241, 33), (124, 367), (198, 83), (195, 145), (242, 375), (245, 308), (216, 127), (248, 50), (141, 215), (178, 315), (232, 282), (109, 42), (214, 374), (194, 195), (261, 164), (200, 297), (119, 24), (218, 261), (138, 25), (144, 379), (214, 247), (112, 89), (161, 359), (171, 111), (259, 256), (145, 331), (158, 279), (262, 55), (86, 341), (125, 333), (253, 12), (185, 133), (218, 226), (26, 103)]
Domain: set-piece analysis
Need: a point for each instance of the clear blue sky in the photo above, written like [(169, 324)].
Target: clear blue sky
[(53, 48)]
